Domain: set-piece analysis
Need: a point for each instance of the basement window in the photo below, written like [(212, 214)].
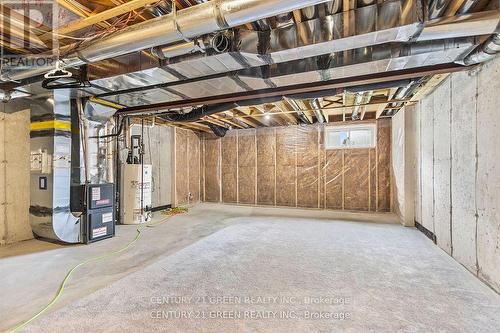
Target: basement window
[(351, 136)]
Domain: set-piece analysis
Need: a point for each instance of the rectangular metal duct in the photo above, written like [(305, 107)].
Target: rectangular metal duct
[(307, 39), (188, 23), (50, 214), (58, 163), (291, 46), (307, 71)]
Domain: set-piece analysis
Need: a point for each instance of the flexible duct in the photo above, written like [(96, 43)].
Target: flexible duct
[(218, 130), (437, 8), (359, 101), (317, 110), (207, 110), (333, 7), (484, 52), (403, 93), (198, 113), (467, 6), (185, 24)]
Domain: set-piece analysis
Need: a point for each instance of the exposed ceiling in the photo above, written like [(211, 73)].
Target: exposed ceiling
[(141, 80)]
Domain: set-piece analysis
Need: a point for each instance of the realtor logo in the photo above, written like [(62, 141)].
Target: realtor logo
[(26, 33)]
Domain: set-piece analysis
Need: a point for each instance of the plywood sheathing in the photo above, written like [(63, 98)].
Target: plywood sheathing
[(290, 167)]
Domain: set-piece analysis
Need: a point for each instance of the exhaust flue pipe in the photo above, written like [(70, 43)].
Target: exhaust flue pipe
[(186, 24)]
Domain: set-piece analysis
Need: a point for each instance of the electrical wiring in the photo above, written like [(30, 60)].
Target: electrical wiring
[(119, 23), (170, 213)]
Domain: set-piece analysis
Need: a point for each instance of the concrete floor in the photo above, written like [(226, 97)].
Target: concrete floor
[(268, 263)]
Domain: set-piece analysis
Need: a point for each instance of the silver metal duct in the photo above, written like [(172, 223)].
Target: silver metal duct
[(437, 8), (185, 24), (329, 8), (321, 36), (326, 35), (98, 123), (218, 42), (61, 160), (476, 24), (470, 5), (50, 214), (403, 93), (305, 40), (305, 71), (359, 101), (296, 107), (486, 51), (317, 110)]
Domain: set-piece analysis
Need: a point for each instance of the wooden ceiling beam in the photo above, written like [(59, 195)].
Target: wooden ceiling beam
[(80, 10), (196, 126), (429, 87), (90, 20), (246, 114), (20, 27), (249, 121), (453, 7), (214, 121), (295, 89), (382, 107), (363, 108), (136, 13), (265, 121), (284, 108), (229, 121)]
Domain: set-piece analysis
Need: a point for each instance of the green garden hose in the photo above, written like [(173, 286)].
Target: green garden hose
[(171, 212)]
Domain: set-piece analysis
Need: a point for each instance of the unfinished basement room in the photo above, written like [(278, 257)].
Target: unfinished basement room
[(250, 166)]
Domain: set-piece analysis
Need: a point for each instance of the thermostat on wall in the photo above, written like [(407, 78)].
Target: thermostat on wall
[(42, 183)]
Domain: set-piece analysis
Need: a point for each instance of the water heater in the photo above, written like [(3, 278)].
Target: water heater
[(136, 193)]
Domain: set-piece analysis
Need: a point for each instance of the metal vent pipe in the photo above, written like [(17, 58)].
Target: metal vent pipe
[(484, 52), (185, 24)]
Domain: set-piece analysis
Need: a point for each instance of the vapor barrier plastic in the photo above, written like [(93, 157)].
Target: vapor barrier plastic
[(290, 166)]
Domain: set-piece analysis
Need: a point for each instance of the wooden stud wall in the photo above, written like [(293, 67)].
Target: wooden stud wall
[(290, 167), (188, 170)]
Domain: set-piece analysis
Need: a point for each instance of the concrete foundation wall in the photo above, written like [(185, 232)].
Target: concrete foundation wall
[(404, 165), (14, 175), (457, 151), (158, 143), (398, 164)]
